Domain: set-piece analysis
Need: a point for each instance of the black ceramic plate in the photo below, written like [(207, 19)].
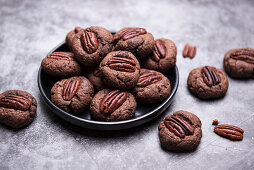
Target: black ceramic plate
[(143, 114)]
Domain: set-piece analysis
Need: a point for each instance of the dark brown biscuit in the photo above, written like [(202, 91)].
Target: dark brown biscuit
[(136, 40), (163, 56), (91, 45), (113, 105), (17, 108), (180, 131), (61, 64), (208, 82), (95, 77), (120, 70), (73, 94), (239, 63), (152, 87), (70, 36)]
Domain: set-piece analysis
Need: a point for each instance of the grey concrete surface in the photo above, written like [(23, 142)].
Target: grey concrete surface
[(30, 29)]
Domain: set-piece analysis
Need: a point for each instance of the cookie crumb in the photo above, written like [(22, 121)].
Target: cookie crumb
[(215, 121)]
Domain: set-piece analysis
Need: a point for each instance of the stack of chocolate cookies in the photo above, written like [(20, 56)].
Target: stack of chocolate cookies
[(109, 72)]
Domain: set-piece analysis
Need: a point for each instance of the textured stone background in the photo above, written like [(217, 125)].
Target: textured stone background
[(30, 29)]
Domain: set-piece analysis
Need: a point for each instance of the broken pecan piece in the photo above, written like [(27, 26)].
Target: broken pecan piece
[(148, 78), (15, 102), (119, 63), (178, 126), (159, 51), (244, 54), (210, 76), (70, 88), (229, 131), (62, 56), (132, 32), (112, 101), (89, 42)]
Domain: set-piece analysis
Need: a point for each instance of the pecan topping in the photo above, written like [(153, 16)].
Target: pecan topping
[(89, 42), (178, 126), (15, 102), (70, 88), (132, 32), (159, 51), (210, 77), (189, 51), (148, 78), (97, 72), (229, 131), (119, 63), (62, 56), (112, 101), (244, 54), (77, 29)]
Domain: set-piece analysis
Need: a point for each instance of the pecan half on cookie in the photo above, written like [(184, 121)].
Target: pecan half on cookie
[(239, 62), (163, 56), (134, 39), (113, 105), (180, 131), (152, 87), (208, 82), (73, 94), (17, 108), (120, 70), (61, 64), (91, 45)]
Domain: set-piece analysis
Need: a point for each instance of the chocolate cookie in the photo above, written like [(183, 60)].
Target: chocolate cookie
[(91, 45), (208, 82), (73, 94), (17, 108), (113, 105), (163, 56), (70, 36), (152, 87), (120, 70), (61, 64), (180, 131), (239, 63), (95, 77), (136, 40)]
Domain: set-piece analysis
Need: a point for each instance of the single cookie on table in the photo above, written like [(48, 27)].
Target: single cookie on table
[(73, 94), (17, 108), (91, 45), (61, 64), (152, 87), (180, 131), (163, 56), (113, 105), (208, 82), (95, 77), (120, 70), (71, 35), (239, 62), (136, 40)]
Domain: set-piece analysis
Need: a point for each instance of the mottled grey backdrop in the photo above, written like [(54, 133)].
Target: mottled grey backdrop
[(30, 29)]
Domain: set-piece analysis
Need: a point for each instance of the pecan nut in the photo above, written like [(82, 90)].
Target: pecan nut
[(189, 51), (119, 63), (132, 32), (210, 77), (148, 78), (70, 89), (244, 54), (178, 126), (229, 131), (159, 51), (89, 42), (112, 101), (62, 56), (15, 102), (97, 72)]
